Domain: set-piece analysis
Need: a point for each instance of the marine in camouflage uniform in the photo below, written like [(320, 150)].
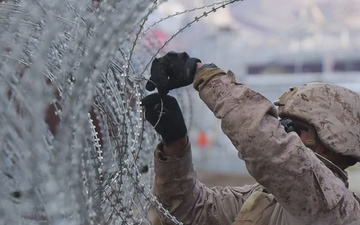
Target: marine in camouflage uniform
[(299, 169)]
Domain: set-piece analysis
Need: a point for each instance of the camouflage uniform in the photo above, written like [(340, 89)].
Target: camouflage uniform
[(295, 185)]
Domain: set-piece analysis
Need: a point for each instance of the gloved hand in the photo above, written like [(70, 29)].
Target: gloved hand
[(171, 71), (164, 113)]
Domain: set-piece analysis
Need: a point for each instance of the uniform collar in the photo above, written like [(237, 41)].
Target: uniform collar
[(335, 169)]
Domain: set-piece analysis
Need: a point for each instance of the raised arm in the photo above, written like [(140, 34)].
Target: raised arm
[(279, 161), (176, 184), (191, 202)]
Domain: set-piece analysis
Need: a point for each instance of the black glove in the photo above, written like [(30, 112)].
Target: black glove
[(290, 125), (171, 71), (166, 117)]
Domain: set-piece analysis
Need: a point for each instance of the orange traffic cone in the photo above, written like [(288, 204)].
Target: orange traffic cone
[(202, 140)]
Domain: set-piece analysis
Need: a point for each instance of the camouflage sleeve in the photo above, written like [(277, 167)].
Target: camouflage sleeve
[(279, 161), (191, 202)]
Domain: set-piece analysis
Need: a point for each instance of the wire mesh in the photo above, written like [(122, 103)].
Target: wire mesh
[(74, 145)]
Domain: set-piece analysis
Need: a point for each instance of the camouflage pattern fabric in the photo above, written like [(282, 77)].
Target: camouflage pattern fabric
[(302, 185)]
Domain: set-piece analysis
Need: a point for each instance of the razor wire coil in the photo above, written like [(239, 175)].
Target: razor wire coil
[(75, 146)]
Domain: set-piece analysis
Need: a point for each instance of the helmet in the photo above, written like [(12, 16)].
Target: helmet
[(332, 110)]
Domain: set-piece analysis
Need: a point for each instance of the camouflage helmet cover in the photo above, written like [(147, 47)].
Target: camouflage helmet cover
[(332, 110)]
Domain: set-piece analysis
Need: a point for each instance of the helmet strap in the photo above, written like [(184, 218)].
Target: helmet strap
[(310, 141)]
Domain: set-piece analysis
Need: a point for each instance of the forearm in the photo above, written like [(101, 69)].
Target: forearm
[(176, 149), (191, 202), (177, 188)]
